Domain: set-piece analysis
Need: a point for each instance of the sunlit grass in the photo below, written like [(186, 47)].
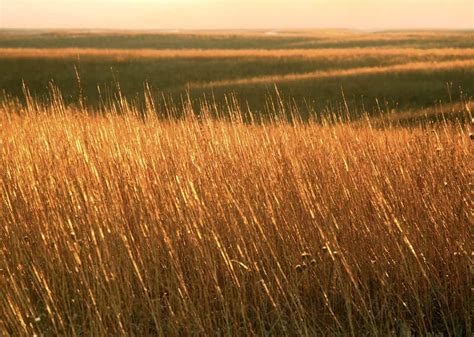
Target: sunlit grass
[(323, 53), (124, 224), (410, 67)]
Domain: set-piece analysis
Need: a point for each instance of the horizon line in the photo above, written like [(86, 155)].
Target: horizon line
[(284, 29)]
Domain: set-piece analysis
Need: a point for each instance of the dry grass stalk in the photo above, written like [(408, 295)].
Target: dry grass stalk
[(116, 225)]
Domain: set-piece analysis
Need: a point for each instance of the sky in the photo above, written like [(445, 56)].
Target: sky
[(237, 14)]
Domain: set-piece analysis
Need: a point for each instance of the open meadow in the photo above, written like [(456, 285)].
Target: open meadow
[(402, 70), (307, 183)]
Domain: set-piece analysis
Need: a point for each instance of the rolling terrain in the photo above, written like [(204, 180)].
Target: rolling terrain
[(402, 70)]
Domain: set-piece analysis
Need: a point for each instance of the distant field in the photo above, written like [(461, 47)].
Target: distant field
[(234, 39), (403, 70)]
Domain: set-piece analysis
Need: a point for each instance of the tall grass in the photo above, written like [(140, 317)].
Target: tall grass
[(124, 225)]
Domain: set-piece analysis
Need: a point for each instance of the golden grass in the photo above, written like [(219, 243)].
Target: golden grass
[(123, 54), (118, 225), (428, 66)]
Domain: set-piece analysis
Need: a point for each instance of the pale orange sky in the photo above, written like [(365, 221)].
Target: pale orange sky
[(234, 14)]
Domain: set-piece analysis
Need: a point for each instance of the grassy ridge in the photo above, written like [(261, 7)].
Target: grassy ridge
[(320, 54), (354, 72), (129, 226)]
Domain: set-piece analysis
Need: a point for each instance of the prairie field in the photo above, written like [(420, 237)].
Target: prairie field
[(236, 183)]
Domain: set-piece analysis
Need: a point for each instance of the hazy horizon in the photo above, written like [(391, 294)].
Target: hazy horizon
[(237, 15)]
